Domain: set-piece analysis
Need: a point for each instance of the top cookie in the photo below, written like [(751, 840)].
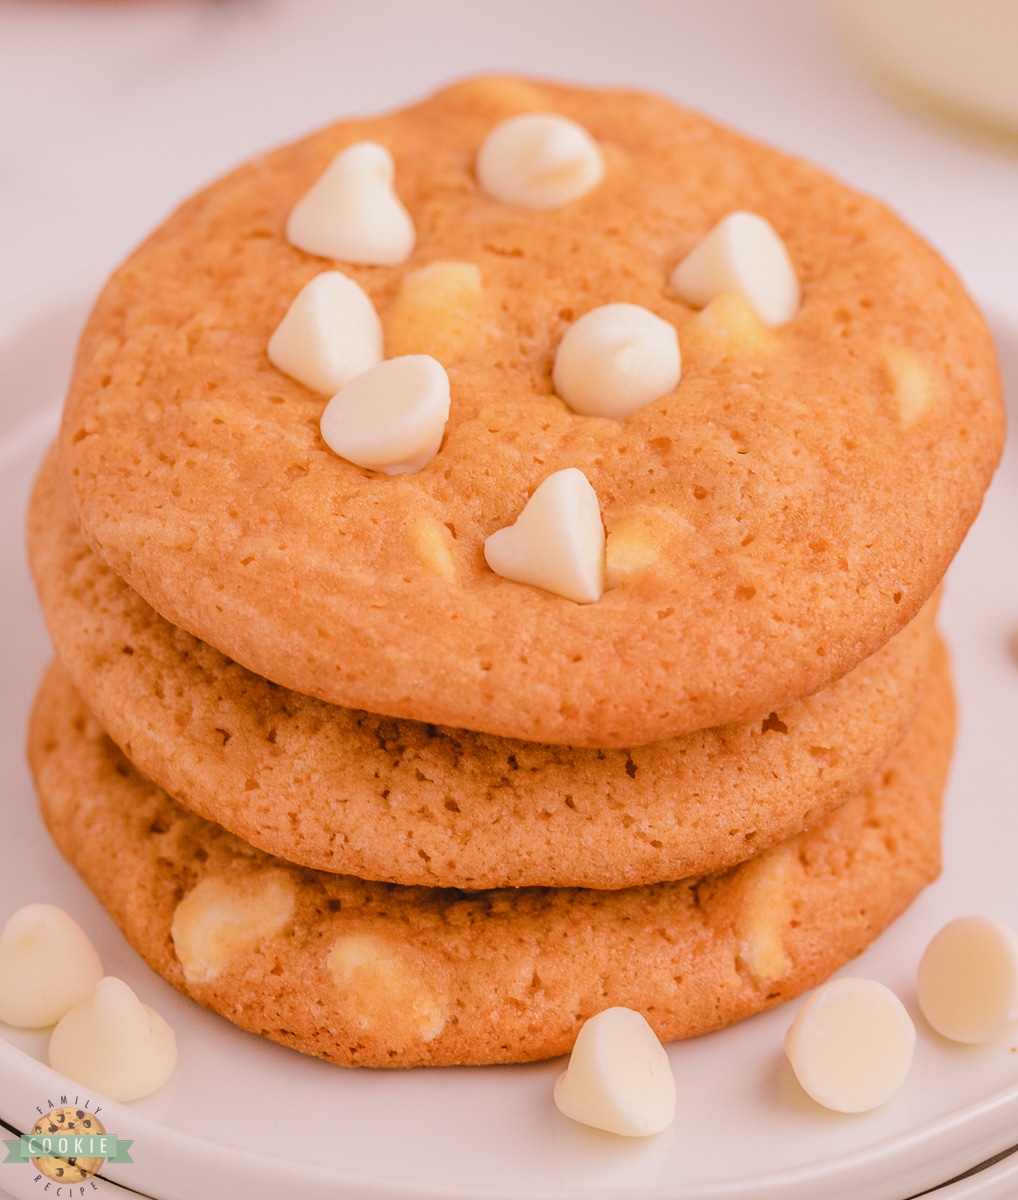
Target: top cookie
[(771, 521)]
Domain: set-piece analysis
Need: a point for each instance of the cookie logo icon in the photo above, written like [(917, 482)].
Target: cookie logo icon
[(65, 1129), (67, 1145)]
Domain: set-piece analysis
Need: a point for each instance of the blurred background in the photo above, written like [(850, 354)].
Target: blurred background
[(111, 112)]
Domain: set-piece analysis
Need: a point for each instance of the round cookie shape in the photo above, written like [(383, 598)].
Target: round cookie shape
[(409, 803), (797, 498), (415, 976), (68, 1121)]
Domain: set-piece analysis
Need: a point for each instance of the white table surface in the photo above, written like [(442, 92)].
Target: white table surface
[(110, 113)]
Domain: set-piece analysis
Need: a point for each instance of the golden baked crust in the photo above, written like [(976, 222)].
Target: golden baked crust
[(796, 499), (400, 801), (379, 975)]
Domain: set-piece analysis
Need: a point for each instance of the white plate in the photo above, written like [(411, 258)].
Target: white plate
[(245, 1117)]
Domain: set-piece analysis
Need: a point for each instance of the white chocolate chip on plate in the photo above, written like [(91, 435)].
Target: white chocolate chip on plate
[(557, 542), (968, 979), (47, 966), (615, 359), (539, 160), (352, 212), (392, 417), (851, 1045), (330, 333), (114, 1044), (741, 254), (619, 1078)]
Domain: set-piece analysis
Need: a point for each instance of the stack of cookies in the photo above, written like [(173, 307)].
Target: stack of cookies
[(344, 776)]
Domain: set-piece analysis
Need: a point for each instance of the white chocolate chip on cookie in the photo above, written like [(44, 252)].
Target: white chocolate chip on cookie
[(912, 384), (741, 254), (114, 1044), (382, 987), (391, 418), (221, 919), (432, 546), (764, 913), (633, 544), (727, 328), (539, 160), (851, 1045), (47, 966), (352, 212), (438, 311), (615, 359), (557, 542), (968, 979), (619, 1078), (330, 333)]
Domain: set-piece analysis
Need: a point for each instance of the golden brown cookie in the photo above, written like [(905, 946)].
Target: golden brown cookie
[(381, 975), (771, 522), (409, 803)]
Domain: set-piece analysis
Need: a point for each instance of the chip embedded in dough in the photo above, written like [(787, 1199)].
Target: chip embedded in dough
[(412, 976)]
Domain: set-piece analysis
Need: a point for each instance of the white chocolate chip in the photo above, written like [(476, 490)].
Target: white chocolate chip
[(968, 980), (330, 333), (221, 919), (851, 1045), (353, 213), (539, 160), (432, 545), (615, 359), (764, 912), (619, 1077), (392, 417), (47, 966), (438, 311), (741, 254), (382, 988), (727, 328), (114, 1044), (639, 538), (912, 383), (557, 542), (633, 543)]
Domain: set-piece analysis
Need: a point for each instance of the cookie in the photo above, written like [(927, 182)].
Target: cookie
[(771, 522), (376, 974), (400, 801)]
